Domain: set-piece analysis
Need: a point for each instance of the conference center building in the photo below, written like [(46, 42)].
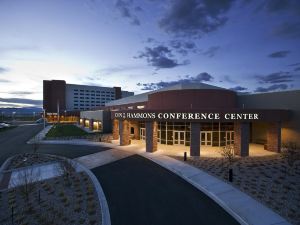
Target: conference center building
[(198, 115)]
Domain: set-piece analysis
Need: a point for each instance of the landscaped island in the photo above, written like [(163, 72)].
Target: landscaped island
[(60, 194)]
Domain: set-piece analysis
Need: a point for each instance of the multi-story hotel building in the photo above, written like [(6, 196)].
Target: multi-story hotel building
[(58, 95), (198, 115)]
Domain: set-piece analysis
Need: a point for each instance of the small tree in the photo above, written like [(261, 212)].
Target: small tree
[(66, 168), (26, 181), (228, 154), (35, 144), (291, 154)]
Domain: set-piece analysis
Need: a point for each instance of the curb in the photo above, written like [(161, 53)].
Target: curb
[(214, 197), (105, 220)]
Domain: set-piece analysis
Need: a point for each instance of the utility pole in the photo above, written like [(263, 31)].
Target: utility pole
[(44, 115), (57, 110)]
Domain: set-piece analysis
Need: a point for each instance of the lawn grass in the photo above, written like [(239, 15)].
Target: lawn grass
[(65, 130)]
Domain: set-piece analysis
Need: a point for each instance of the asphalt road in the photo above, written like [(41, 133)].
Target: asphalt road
[(13, 142), (140, 192)]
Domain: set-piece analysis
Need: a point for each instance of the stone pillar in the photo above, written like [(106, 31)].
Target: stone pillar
[(241, 138), (151, 136), (91, 127), (124, 132), (115, 129), (195, 139), (82, 122), (274, 137), (135, 125)]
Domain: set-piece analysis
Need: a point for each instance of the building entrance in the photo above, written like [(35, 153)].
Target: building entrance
[(179, 137), (206, 138), (142, 133), (229, 137)]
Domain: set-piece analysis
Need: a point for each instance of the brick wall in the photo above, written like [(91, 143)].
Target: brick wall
[(124, 132), (274, 137), (241, 138), (151, 136)]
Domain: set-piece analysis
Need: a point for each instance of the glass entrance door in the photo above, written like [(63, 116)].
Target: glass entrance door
[(206, 138), (179, 138), (142, 134), (229, 137)]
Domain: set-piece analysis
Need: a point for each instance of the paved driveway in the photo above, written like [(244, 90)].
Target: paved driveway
[(14, 142), (139, 192)]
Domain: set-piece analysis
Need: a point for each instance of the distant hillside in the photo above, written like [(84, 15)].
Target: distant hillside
[(21, 111)]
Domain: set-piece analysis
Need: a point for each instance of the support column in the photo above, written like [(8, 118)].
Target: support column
[(151, 136), (115, 129), (124, 132), (274, 137), (195, 139), (135, 125), (91, 127), (241, 138)]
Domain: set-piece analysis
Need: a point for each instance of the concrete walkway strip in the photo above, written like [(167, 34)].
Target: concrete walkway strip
[(101, 158), (242, 207)]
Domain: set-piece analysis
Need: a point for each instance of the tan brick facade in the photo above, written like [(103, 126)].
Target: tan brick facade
[(151, 136), (115, 129), (124, 132), (274, 137), (135, 126)]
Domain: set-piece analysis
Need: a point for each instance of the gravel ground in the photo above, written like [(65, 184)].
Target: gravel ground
[(268, 179), (62, 200)]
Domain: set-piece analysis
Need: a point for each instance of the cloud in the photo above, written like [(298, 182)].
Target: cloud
[(186, 80), (239, 88), (126, 8), (297, 69), (279, 6), (21, 93), (195, 17), (274, 87), (21, 101), (288, 30), (4, 81), (278, 77), (3, 69), (183, 47), (211, 52), (279, 54), (295, 64), (160, 57)]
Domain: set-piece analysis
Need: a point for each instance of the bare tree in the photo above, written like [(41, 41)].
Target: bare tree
[(35, 144), (228, 154), (291, 154), (26, 180), (66, 168)]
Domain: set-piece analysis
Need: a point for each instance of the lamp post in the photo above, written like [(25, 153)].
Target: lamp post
[(33, 116), (44, 117), (2, 116), (65, 115), (13, 115)]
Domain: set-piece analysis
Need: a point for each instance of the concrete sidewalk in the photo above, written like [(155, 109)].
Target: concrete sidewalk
[(241, 206)]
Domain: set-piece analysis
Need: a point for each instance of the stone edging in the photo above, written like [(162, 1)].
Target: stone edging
[(205, 191), (101, 196)]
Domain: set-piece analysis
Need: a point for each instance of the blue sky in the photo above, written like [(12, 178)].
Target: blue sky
[(249, 46)]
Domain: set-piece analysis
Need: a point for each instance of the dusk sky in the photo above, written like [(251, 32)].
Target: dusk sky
[(246, 45)]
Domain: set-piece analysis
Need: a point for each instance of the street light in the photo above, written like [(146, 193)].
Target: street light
[(44, 115), (2, 116)]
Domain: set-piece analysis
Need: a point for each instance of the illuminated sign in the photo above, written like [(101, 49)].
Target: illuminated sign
[(186, 116)]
